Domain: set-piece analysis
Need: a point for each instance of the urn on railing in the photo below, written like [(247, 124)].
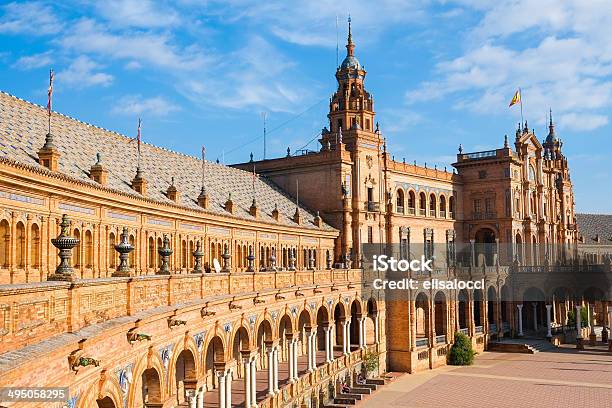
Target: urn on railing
[(124, 248), (311, 259), (328, 260), (64, 242), (292, 259), (164, 253), (226, 256), (251, 259), (198, 255)]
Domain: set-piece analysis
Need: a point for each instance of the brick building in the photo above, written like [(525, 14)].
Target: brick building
[(236, 292)]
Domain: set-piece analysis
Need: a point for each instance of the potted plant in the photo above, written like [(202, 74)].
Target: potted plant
[(370, 364), (461, 353)]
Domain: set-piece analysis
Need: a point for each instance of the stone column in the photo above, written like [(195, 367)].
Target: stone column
[(295, 359), (290, 359), (376, 336), (548, 332), (222, 392), (275, 361), (200, 398), (520, 319), (328, 352), (253, 385), (360, 327), (228, 389), (578, 322), (346, 343), (193, 401), (535, 316), (310, 349), (247, 381), (412, 317), (270, 351)]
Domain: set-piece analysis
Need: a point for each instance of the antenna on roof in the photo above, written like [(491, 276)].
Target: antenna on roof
[(264, 115), (203, 160), (297, 192), (337, 43)]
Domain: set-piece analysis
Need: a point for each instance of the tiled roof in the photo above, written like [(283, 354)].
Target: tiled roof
[(593, 226), (23, 127)]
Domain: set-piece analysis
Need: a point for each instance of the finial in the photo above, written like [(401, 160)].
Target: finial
[(251, 156), (377, 128), (217, 160), (288, 152), (172, 183), (551, 122), (505, 141), (350, 47), (98, 158), (460, 149)]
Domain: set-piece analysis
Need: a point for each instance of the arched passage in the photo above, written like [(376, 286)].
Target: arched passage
[(105, 402), (185, 376), (151, 388), (440, 317), (485, 247), (371, 322), (339, 319), (462, 311), (323, 324), (422, 319), (492, 310), (534, 312), (215, 356), (354, 327)]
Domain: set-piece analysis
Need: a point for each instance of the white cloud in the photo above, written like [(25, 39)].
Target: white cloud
[(152, 49), (34, 61), (31, 18), (137, 105), (255, 76), (566, 66), (137, 13), (80, 74)]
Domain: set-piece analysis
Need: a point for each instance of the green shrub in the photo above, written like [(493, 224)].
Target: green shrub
[(461, 353), (584, 317), (370, 362)]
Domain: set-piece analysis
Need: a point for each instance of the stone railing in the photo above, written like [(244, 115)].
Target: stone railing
[(33, 312)]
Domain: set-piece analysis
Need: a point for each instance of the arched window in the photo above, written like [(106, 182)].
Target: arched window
[(190, 260), (422, 203), (20, 246), (442, 206), (411, 202), (88, 249), (111, 251), (400, 201), (34, 247), (432, 205), (151, 252), (76, 253), (451, 206), (160, 245), (5, 243)]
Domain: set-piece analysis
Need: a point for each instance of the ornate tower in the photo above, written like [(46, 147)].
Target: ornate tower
[(351, 107)]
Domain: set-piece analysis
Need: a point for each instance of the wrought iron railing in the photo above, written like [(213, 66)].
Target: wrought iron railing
[(478, 329), (441, 339), (464, 331), (424, 342)]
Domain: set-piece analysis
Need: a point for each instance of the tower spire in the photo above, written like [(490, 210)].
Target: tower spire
[(350, 47)]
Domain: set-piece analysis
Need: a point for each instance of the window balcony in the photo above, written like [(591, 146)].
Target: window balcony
[(442, 214), (400, 209), (432, 213), (422, 211), (372, 206), (411, 210)]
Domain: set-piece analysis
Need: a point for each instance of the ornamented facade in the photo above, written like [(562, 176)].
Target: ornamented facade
[(196, 284)]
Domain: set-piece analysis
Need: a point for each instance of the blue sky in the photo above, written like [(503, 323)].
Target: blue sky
[(441, 72)]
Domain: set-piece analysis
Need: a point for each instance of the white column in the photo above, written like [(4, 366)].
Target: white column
[(589, 315), (327, 344), (291, 360), (310, 349), (345, 338), (271, 370), (222, 403), (253, 368), (579, 332), (520, 319), (295, 359), (228, 389), (247, 382), (275, 360), (548, 333), (360, 327), (376, 340), (193, 401), (201, 398)]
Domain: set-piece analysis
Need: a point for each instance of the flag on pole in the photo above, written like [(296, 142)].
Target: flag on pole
[(516, 98), (50, 91)]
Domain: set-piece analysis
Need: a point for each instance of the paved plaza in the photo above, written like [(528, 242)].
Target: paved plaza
[(562, 377)]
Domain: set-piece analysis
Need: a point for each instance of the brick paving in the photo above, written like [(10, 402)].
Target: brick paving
[(560, 378)]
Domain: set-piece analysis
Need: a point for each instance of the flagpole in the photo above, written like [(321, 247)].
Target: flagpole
[(521, 99)]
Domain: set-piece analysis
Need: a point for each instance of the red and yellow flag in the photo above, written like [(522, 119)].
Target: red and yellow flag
[(516, 98)]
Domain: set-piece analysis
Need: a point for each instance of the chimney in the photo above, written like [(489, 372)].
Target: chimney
[(172, 193), (97, 172)]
